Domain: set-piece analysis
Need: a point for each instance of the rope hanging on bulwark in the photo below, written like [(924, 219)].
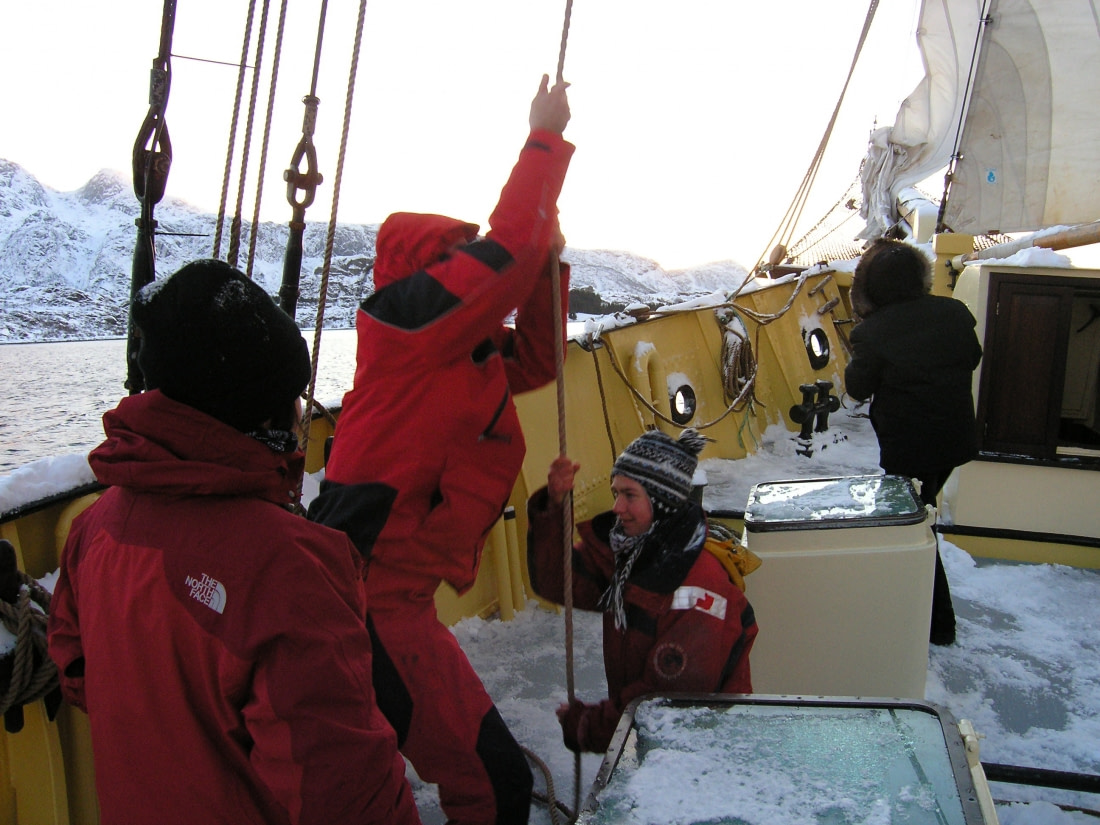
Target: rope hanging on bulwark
[(567, 506), (27, 673)]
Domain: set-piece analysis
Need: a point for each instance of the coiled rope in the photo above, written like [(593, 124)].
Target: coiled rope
[(33, 673), (555, 808), (739, 364)]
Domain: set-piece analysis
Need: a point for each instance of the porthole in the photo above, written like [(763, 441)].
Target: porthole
[(683, 404), (817, 348)]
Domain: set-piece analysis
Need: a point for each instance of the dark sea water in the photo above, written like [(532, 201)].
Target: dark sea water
[(55, 394)]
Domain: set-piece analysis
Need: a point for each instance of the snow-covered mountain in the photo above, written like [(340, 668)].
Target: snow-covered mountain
[(66, 259)]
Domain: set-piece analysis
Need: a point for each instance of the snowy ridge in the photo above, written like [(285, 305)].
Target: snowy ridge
[(66, 259)]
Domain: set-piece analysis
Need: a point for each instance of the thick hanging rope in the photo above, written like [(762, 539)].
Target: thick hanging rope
[(567, 509), (567, 505), (564, 39), (330, 238)]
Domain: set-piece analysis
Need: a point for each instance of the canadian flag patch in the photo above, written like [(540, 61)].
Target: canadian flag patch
[(699, 598)]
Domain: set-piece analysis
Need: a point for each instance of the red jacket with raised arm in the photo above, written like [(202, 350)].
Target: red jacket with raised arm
[(428, 444)]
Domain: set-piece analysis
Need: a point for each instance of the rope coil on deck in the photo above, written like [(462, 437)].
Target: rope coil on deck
[(33, 673)]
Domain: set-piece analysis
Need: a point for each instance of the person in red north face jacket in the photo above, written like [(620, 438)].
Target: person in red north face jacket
[(216, 639), (427, 449)]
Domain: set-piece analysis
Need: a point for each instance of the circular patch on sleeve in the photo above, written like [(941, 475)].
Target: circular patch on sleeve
[(669, 660)]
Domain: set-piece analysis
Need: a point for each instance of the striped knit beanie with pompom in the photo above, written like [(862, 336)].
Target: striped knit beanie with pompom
[(664, 466)]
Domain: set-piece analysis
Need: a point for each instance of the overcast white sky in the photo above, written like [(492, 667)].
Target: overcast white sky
[(695, 121)]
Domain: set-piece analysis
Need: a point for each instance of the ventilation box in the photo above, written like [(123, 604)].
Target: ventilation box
[(844, 595)]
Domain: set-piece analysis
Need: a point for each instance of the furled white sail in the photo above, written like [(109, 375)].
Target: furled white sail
[(1030, 140)]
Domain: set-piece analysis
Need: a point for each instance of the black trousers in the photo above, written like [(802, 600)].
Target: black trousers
[(942, 629)]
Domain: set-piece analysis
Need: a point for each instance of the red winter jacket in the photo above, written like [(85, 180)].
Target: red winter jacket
[(428, 444), (216, 640), (689, 629)]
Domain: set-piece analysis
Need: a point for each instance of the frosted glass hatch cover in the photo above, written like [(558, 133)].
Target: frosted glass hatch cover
[(716, 760), (852, 501)]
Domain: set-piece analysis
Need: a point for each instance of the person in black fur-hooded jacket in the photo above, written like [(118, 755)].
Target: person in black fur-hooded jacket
[(914, 355)]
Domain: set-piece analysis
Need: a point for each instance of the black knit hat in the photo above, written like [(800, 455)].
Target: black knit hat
[(664, 466), (213, 339)]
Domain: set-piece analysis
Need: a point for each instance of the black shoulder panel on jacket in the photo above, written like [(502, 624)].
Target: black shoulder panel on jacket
[(748, 619), (490, 253), (360, 510), (411, 303)]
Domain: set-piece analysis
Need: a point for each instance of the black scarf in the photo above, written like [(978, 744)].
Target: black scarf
[(662, 556)]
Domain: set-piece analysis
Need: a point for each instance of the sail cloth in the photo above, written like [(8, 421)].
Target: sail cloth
[(1029, 151)]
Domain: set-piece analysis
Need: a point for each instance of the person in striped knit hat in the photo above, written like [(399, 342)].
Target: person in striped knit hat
[(676, 619)]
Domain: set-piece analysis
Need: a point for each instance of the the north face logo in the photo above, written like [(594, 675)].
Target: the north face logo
[(207, 591)]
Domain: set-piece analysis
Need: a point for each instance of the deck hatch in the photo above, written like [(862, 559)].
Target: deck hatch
[(751, 760)]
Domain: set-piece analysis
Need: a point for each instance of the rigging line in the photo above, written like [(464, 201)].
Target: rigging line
[(567, 509), (275, 62), (794, 211), (231, 143), (317, 49), (743, 396), (331, 235), (306, 183), (949, 176), (567, 506), (235, 225), (603, 395), (799, 203), (179, 56)]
